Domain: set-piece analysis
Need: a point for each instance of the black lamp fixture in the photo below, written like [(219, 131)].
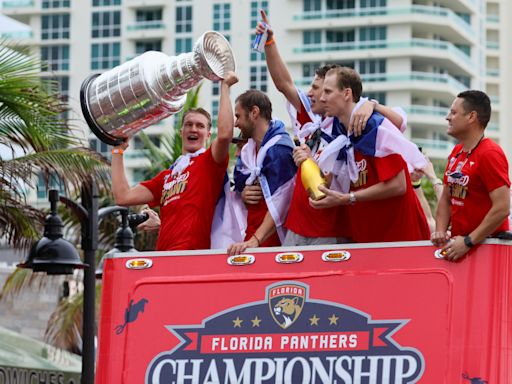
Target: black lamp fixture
[(123, 241), (52, 254)]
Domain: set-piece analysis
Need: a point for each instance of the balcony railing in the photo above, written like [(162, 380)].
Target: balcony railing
[(144, 25), (403, 77), (426, 110), (493, 18), (492, 44), (494, 127), (433, 144), (386, 44), (493, 72), (386, 11), (17, 3)]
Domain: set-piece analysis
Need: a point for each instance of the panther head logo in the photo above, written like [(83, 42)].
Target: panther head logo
[(286, 303)]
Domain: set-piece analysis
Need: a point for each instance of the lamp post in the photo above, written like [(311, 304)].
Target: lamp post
[(54, 255)]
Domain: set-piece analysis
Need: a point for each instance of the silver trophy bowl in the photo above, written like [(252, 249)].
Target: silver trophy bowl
[(132, 96)]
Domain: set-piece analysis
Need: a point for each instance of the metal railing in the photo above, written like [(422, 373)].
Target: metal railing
[(386, 11)]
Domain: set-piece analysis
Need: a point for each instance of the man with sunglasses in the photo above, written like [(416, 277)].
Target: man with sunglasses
[(475, 197)]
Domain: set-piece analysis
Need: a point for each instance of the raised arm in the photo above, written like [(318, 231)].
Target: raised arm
[(123, 193), (225, 120), (276, 66)]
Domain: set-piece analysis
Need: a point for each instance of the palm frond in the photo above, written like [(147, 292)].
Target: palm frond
[(20, 280)]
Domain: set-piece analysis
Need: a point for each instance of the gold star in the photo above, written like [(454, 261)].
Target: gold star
[(314, 320), (237, 322), (256, 322), (333, 319)]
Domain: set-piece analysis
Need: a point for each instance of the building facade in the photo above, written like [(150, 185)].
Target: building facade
[(418, 54)]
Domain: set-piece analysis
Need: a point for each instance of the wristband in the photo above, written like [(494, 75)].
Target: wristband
[(269, 42), (117, 151), (416, 184), (437, 182), (258, 240), (467, 242)]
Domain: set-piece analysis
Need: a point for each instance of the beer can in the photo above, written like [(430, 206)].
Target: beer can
[(258, 44)]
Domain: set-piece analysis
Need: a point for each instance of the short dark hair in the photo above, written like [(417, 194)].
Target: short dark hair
[(479, 102), (322, 71), (201, 111), (349, 78), (252, 98)]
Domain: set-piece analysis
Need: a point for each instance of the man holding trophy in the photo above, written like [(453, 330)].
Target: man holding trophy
[(188, 191)]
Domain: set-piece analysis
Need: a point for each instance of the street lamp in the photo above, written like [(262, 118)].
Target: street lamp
[(54, 255)]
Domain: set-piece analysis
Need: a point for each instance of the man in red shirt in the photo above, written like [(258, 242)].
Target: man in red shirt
[(382, 203), (188, 191), (306, 225), (475, 197)]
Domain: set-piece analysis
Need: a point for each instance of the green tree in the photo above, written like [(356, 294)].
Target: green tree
[(35, 141)]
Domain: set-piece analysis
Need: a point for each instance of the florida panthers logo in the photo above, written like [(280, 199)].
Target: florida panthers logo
[(286, 302)]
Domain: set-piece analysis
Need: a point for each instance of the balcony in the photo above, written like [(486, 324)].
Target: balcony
[(492, 45), (444, 15), (11, 4), (146, 25), (415, 47), (439, 149), (493, 72), (492, 18)]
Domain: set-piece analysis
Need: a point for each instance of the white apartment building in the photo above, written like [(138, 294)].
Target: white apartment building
[(418, 54)]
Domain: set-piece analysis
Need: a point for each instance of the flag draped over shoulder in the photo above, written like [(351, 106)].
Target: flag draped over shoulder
[(273, 167), (379, 138)]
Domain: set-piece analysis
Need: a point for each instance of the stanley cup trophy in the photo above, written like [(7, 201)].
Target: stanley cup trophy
[(119, 103)]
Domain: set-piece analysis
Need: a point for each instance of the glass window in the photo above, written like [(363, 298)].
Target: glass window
[(151, 45), (99, 3), (311, 37), (148, 14), (55, 27), (105, 55), (183, 45), (373, 3), (340, 4), (55, 57), (255, 11), (258, 78), (312, 5), (379, 96), (340, 36), (183, 19), (47, 182), (222, 17), (372, 33), (55, 4), (106, 24), (372, 66)]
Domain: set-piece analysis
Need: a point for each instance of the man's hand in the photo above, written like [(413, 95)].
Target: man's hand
[(238, 248), (152, 223), (360, 118), (331, 199), (300, 154), (121, 146), (252, 194), (260, 28), (439, 238), (230, 79), (455, 249)]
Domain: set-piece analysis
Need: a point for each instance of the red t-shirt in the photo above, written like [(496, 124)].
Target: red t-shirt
[(187, 203), (484, 170), (398, 218), (307, 221), (255, 215)]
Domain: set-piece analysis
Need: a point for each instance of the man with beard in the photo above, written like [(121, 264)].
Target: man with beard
[(266, 160)]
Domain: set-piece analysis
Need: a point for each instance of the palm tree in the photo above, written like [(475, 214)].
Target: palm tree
[(35, 141)]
